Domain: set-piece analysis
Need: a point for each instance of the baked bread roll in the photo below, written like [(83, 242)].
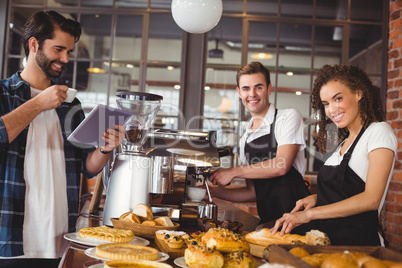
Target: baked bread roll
[(374, 263), (336, 260), (144, 212), (164, 221), (315, 260), (265, 238), (392, 264), (239, 259), (224, 241), (316, 237), (299, 252), (150, 222), (361, 257), (201, 257), (130, 217)]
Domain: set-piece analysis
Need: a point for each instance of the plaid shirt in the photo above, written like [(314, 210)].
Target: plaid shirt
[(14, 92)]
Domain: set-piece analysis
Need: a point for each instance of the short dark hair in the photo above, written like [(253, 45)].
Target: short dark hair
[(41, 25), (253, 68)]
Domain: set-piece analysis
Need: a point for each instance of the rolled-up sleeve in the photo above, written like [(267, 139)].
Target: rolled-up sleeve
[(3, 135)]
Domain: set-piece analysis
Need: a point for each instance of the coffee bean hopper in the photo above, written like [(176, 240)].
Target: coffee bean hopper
[(130, 170)]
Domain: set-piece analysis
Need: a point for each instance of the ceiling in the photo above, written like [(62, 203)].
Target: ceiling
[(294, 35)]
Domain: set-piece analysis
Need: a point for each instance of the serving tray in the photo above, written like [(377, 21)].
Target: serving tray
[(280, 253)]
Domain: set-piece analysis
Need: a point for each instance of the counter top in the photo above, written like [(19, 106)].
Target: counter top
[(75, 257)]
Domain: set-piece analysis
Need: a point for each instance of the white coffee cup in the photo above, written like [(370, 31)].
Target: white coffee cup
[(71, 92)]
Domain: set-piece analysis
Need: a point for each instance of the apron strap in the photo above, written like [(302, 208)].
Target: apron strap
[(272, 131), (347, 156), (382, 233)]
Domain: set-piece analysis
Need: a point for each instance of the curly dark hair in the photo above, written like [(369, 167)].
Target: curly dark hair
[(370, 105), (41, 25)]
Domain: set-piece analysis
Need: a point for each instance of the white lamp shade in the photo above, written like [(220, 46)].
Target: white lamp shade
[(197, 16)]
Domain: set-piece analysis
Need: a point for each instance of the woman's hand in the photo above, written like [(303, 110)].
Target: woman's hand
[(299, 215), (305, 203), (113, 138), (289, 221)]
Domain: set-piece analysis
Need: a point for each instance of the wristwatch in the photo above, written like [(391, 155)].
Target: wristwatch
[(104, 152)]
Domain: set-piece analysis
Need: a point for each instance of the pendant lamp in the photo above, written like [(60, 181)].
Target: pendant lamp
[(197, 16)]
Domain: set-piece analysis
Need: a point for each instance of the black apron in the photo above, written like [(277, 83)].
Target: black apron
[(275, 196), (336, 183)]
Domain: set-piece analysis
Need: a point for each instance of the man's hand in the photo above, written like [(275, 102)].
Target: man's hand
[(113, 138), (223, 176), (52, 97)]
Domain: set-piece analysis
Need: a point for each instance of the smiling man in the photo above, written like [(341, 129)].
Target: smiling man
[(39, 169), (271, 151)]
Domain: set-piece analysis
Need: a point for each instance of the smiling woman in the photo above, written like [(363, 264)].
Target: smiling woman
[(353, 182)]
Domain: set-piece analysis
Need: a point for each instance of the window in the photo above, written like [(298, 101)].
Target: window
[(136, 45)]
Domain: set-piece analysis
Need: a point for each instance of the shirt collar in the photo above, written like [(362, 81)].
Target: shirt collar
[(268, 119)]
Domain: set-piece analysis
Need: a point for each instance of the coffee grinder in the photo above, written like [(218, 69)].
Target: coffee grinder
[(131, 169)]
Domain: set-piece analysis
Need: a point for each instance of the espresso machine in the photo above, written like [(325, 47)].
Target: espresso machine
[(156, 166), (192, 155)]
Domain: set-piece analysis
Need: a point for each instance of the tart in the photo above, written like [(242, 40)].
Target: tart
[(161, 234), (175, 242), (135, 264), (118, 251), (107, 233), (194, 238)]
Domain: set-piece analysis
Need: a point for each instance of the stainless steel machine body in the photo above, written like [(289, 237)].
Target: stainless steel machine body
[(155, 167)]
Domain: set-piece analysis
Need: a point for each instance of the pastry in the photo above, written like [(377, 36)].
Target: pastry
[(265, 238), (206, 223), (144, 212), (135, 264), (191, 239), (201, 257), (126, 251), (224, 240), (160, 234), (239, 259), (194, 238), (108, 234), (175, 241)]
